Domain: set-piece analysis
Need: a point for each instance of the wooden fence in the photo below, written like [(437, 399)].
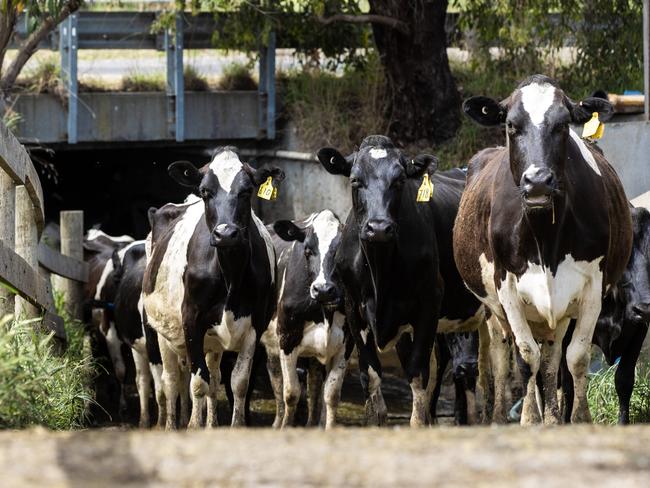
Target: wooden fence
[(25, 263)]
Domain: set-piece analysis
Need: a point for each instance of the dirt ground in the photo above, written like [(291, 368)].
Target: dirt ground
[(440, 456)]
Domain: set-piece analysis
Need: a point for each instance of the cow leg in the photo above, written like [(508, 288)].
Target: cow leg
[(200, 380), (500, 362), (624, 379), (290, 385), (275, 376), (484, 370), (170, 381), (159, 390), (241, 376), (442, 361), (213, 360), (550, 365), (314, 392), (186, 378), (578, 353), (470, 396), (333, 384), (143, 383), (114, 345)]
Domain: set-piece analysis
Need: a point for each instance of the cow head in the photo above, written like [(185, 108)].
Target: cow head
[(226, 186), (537, 117), (317, 242), (463, 347), (635, 283), (377, 172)]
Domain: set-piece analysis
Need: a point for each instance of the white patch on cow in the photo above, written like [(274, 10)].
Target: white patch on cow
[(114, 345), (532, 171), (491, 299), (108, 269), (364, 335), (229, 333), (326, 228), (537, 99), (122, 252), (270, 250), (163, 305), (140, 345), (446, 325), (93, 234), (378, 153), (585, 152), (226, 165), (403, 329), (548, 298), (322, 340)]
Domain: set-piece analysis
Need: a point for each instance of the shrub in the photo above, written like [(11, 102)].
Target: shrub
[(237, 76), (39, 386), (143, 82), (603, 401), (194, 80)]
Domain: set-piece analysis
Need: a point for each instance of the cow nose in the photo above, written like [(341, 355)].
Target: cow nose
[(323, 292), (225, 235), (379, 231), (643, 310), (538, 182)]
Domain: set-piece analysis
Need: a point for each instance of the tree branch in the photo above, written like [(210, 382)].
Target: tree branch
[(399, 25), (30, 45)]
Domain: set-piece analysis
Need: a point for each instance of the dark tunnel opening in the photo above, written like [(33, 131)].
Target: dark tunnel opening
[(114, 187)]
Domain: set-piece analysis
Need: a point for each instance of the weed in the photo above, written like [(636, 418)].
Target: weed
[(236, 76), (603, 401)]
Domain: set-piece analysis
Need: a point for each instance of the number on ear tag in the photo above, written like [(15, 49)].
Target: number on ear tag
[(425, 192), (267, 191), (594, 128)]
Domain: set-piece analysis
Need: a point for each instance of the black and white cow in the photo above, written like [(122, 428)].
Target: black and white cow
[(132, 328), (309, 320), (99, 295), (396, 264), (209, 285), (543, 231), (623, 322)]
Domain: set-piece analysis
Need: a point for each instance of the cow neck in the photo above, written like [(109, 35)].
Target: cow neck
[(380, 262), (543, 228), (233, 262)]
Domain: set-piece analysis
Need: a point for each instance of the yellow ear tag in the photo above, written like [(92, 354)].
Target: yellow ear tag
[(594, 128), (267, 191), (425, 192)]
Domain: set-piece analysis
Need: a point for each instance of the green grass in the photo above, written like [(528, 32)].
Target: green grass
[(152, 82), (39, 386), (603, 401), (236, 76)]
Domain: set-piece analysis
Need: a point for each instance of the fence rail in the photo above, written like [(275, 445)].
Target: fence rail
[(26, 264)]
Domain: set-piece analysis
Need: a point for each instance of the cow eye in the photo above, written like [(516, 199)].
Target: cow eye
[(205, 193)]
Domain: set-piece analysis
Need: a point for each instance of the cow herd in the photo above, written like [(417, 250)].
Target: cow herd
[(513, 266)]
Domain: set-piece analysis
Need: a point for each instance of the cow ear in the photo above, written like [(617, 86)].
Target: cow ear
[(420, 164), (334, 162), (288, 231), (259, 176), (151, 215), (185, 173), (485, 111), (582, 111)]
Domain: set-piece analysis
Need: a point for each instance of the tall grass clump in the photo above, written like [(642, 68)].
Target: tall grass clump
[(603, 401), (236, 76), (143, 82), (38, 385), (339, 111)]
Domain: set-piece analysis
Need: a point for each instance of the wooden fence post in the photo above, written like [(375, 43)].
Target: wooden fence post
[(26, 245), (72, 236), (7, 232)]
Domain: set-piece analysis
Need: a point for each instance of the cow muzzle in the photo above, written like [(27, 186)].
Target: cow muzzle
[(538, 185), (225, 235), (379, 231), (324, 293), (641, 311)]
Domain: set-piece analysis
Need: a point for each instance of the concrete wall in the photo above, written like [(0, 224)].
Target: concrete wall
[(627, 147), (106, 117)]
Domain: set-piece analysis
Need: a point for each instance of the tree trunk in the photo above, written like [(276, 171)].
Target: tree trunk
[(423, 100)]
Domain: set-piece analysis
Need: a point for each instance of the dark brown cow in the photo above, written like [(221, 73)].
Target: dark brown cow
[(543, 231)]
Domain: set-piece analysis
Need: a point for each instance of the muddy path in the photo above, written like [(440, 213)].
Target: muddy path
[(440, 456)]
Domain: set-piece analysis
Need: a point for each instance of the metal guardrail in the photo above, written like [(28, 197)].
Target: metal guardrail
[(21, 224)]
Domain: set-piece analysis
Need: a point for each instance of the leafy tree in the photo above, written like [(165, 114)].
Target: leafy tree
[(409, 35), (43, 16)]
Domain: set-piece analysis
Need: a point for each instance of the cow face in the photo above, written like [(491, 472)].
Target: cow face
[(377, 173), (537, 117), (226, 186), (635, 284), (463, 347), (316, 246)]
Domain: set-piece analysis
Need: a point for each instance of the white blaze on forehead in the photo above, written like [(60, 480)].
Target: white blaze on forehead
[(326, 228), (585, 152), (225, 166), (537, 99), (378, 153)]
